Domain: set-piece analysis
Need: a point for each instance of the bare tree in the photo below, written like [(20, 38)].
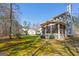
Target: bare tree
[(26, 26), (9, 19)]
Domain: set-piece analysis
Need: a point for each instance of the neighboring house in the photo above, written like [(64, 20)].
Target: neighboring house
[(31, 32), (58, 27), (22, 31)]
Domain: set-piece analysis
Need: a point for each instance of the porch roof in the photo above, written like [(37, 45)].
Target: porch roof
[(54, 21)]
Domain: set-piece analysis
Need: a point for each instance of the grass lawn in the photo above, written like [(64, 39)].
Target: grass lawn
[(34, 45), (20, 46)]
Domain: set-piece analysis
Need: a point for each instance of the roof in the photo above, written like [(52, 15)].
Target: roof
[(54, 19), (65, 13)]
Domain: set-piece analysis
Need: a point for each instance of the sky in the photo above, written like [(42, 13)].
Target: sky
[(37, 13)]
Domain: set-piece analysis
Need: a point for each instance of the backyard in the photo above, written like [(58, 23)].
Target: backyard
[(36, 46)]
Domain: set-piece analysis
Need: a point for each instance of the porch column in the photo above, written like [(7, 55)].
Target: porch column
[(58, 31), (51, 29), (65, 32), (45, 31)]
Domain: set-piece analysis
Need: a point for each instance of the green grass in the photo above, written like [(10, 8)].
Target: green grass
[(28, 44), (17, 47), (29, 37)]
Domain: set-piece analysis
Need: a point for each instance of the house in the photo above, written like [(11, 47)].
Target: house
[(58, 27), (31, 32), (35, 30)]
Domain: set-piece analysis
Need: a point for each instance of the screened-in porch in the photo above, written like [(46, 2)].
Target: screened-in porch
[(56, 30)]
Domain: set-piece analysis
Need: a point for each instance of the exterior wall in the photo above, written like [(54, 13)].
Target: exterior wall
[(69, 25)]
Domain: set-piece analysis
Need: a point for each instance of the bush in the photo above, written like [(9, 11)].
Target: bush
[(18, 35), (51, 37), (42, 36)]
